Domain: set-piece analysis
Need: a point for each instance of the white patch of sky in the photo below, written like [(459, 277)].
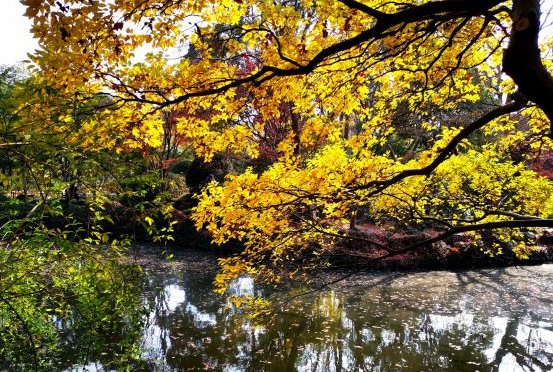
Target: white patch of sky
[(16, 39)]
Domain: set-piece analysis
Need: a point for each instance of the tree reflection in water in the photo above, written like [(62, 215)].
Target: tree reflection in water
[(483, 320)]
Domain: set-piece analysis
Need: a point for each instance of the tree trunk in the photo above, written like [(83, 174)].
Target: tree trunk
[(522, 60), (296, 130)]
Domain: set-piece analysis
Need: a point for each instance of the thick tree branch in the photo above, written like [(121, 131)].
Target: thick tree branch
[(522, 60), (352, 4), (438, 10)]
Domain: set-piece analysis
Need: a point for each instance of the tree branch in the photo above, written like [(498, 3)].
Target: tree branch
[(25, 329), (466, 228), (352, 4), (522, 59), (442, 10), (11, 144), (381, 185)]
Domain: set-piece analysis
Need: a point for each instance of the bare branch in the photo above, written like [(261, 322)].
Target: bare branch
[(11, 144)]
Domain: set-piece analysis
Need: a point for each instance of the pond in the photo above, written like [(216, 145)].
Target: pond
[(478, 320)]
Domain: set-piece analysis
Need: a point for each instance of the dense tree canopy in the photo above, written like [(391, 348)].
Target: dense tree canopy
[(395, 112)]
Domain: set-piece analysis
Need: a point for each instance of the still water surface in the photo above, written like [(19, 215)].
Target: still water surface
[(480, 320)]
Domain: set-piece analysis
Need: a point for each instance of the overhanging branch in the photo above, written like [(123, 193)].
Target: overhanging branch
[(437, 10), (493, 225), (448, 150)]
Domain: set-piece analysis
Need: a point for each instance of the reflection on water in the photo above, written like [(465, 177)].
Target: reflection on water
[(488, 320)]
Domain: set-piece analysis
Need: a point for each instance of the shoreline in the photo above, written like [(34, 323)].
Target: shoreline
[(178, 257)]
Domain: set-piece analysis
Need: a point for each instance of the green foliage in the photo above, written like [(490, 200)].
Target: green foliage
[(59, 299), (66, 294), (180, 167), (138, 189)]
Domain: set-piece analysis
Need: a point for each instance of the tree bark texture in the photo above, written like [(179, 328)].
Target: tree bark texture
[(522, 60)]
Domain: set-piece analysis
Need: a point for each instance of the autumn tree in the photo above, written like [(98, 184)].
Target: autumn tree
[(342, 78)]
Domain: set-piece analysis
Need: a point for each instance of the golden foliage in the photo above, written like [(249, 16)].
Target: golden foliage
[(356, 104)]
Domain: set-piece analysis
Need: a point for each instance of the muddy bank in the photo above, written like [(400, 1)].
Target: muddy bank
[(370, 243), (173, 258)]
